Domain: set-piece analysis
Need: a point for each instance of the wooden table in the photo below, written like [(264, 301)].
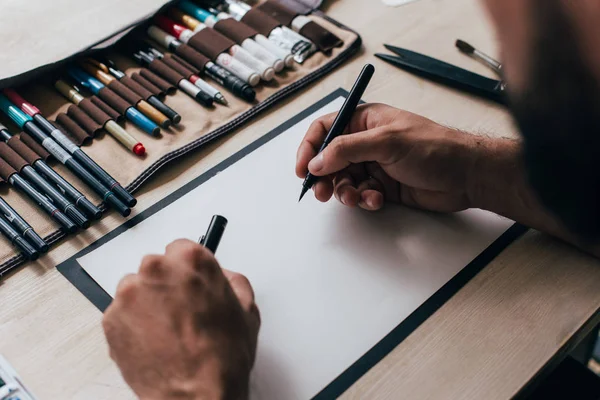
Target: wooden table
[(516, 318)]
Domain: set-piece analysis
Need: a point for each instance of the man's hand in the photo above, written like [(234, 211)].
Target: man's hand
[(390, 155), (183, 328)]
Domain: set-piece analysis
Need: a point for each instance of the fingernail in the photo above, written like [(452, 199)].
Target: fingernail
[(343, 199), (316, 164), (370, 202)]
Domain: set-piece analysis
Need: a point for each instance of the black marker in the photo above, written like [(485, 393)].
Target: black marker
[(9, 174), (67, 144), (342, 119), (214, 233), (25, 122), (22, 226), (44, 169), (11, 234), (22, 167)]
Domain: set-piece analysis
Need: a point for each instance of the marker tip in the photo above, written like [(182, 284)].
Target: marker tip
[(304, 190)]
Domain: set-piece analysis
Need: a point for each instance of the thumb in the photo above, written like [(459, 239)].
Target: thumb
[(370, 145)]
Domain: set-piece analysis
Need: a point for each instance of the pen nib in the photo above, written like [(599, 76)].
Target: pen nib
[(304, 190)]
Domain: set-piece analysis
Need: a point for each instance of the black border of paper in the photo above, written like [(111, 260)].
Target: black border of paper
[(93, 292)]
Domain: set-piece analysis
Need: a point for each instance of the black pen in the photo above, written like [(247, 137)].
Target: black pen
[(23, 167), (40, 165), (9, 174), (67, 159), (22, 226), (25, 122), (214, 233), (72, 148), (342, 119), (11, 234)]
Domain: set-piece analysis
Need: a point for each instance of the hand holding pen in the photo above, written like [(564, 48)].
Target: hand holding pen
[(213, 235), (342, 119), (191, 283)]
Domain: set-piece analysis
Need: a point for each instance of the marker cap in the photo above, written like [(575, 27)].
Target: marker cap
[(20, 102), (69, 92), (28, 251), (139, 149), (142, 121), (181, 17), (194, 10), (236, 10), (170, 26), (76, 216), (67, 225), (85, 79), (39, 243), (161, 36), (18, 116)]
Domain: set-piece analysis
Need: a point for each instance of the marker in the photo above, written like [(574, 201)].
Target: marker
[(224, 59), (111, 126), (281, 55), (109, 66), (238, 52), (343, 118), (127, 94), (40, 166), (9, 174), (203, 64), (250, 44), (131, 113), (18, 241), (238, 11), (189, 74), (22, 167), (213, 235), (25, 122), (78, 154), (300, 47), (22, 226), (174, 77)]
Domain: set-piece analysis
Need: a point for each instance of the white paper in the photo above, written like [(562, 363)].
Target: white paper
[(330, 281)]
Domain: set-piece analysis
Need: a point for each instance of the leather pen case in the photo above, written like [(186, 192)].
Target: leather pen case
[(33, 73)]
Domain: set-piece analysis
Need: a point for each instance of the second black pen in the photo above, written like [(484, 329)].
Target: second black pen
[(22, 226), (25, 122), (44, 169), (9, 174), (23, 167)]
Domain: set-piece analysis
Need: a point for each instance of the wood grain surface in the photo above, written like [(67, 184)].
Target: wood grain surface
[(519, 315)]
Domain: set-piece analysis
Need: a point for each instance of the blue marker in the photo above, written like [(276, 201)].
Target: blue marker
[(131, 113)]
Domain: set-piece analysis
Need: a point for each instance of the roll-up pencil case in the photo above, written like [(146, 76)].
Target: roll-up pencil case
[(42, 39)]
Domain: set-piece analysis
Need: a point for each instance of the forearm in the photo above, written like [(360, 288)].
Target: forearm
[(498, 183)]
